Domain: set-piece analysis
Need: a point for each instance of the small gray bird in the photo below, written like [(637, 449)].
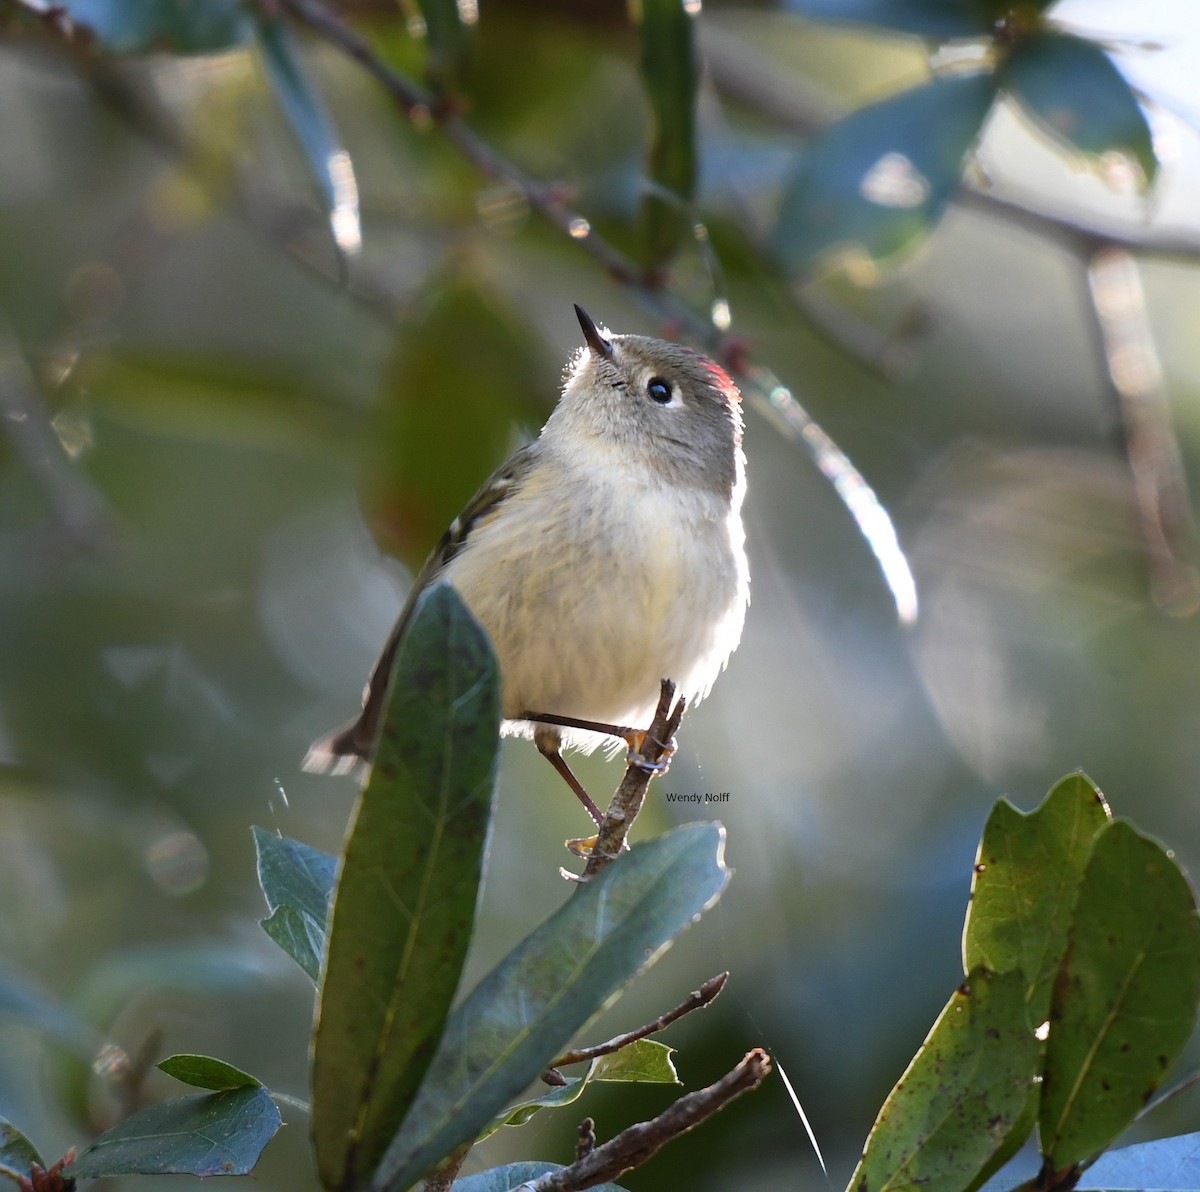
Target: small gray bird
[(601, 558)]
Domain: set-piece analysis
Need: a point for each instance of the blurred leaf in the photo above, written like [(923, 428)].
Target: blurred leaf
[(552, 1098), (184, 971), (926, 18), (17, 1153), (1164, 1165), (462, 363), (644, 1060), (204, 1072), (525, 1011), (297, 881), (1073, 90), (1027, 874), (1125, 999), (38, 1008), (182, 26), (408, 890), (305, 111), (214, 1134), (669, 74), (877, 180), (448, 40), (959, 1099), (506, 1179)]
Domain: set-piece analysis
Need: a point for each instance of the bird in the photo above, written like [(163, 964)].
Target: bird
[(604, 556)]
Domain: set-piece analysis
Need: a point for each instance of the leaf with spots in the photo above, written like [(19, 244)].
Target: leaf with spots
[(1027, 876), (1125, 999), (405, 904), (957, 1104)]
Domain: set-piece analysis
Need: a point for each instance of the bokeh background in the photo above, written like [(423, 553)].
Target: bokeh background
[(227, 452)]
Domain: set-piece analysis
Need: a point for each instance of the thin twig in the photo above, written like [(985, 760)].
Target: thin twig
[(696, 1000), (1118, 306), (634, 1146), (627, 802)]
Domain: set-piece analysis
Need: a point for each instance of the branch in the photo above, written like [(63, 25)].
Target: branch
[(696, 1000), (652, 760), (634, 1146), (1118, 308)]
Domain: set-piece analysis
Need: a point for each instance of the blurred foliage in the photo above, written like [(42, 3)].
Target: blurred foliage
[(228, 386)]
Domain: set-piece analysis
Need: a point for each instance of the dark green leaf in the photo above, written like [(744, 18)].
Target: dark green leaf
[(211, 1134), (1072, 88), (297, 881), (506, 1179), (1027, 875), (408, 890), (1012, 1143), (17, 1153), (669, 74), (180, 25), (877, 180), (204, 1072), (552, 1098), (961, 1096), (941, 19), (305, 111), (526, 1010), (642, 1061), (449, 44), (1125, 999), (1165, 1165)]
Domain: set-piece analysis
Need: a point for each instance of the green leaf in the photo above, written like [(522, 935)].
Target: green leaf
[(669, 74), (1027, 875), (211, 1134), (1165, 1165), (1072, 89), (940, 19), (1126, 995), (297, 881), (552, 1098), (878, 179), (17, 1153), (406, 899), (179, 25), (204, 1072), (527, 1009), (643, 1061), (305, 111), (961, 1096), (506, 1179)]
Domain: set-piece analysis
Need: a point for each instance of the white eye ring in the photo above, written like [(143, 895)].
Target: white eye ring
[(663, 393)]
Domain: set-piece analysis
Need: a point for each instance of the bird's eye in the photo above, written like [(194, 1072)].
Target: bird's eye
[(659, 391)]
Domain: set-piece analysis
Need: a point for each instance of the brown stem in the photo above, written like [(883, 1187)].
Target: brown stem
[(627, 802), (696, 1000), (634, 1146)]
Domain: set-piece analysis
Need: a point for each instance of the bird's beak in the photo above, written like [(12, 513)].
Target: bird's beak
[(591, 334)]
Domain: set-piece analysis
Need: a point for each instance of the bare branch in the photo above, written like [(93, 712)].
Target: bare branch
[(696, 1000), (648, 763), (634, 1146)]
